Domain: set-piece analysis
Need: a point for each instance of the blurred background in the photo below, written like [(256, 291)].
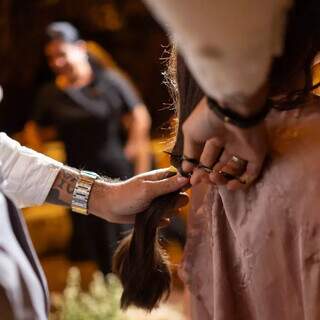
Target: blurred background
[(122, 36), (124, 28)]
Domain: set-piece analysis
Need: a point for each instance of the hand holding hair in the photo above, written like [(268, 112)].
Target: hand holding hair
[(119, 202)]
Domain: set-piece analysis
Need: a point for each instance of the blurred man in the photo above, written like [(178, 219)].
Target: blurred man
[(85, 106)]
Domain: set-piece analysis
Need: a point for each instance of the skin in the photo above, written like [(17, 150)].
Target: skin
[(118, 202), (213, 142)]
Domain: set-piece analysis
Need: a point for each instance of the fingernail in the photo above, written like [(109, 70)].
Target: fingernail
[(245, 179)]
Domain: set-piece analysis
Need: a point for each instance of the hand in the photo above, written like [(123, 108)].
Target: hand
[(120, 202), (214, 143)]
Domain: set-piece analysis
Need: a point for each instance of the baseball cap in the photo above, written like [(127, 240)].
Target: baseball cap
[(62, 30)]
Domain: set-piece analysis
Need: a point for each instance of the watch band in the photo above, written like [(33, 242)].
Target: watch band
[(81, 192)]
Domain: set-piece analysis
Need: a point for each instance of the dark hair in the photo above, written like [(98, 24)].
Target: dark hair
[(302, 43), (139, 261)]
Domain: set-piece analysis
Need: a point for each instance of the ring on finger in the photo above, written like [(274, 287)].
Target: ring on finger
[(238, 161)]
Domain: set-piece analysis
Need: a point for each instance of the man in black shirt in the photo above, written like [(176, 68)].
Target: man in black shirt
[(85, 106)]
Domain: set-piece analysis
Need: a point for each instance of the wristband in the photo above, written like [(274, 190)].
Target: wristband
[(229, 116)]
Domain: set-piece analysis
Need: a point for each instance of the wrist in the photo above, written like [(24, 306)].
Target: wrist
[(100, 199)]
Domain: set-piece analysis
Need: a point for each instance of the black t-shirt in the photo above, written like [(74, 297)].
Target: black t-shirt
[(88, 121)]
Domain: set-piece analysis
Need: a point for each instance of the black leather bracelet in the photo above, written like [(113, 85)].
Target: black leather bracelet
[(229, 116)]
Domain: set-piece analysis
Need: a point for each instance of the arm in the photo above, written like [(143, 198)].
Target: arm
[(138, 144), (117, 202), (138, 123), (30, 178)]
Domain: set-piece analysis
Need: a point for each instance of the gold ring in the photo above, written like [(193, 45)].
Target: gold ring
[(238, 161)]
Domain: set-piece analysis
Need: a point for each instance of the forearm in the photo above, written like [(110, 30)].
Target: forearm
[(138, 147), (143, 160), (62, 190), (139, 128)]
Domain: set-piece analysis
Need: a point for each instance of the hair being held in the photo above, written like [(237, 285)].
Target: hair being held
[(141, 263)]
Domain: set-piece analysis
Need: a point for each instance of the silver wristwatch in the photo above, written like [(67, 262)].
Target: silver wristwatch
[(81, 192)]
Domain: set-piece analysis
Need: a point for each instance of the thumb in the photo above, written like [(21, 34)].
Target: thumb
[(172, 184)]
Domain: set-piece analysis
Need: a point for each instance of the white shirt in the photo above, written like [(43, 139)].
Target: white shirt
[(26, 176), (228, 44)]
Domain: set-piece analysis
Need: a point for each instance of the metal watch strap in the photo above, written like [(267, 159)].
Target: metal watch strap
[(81, 192)]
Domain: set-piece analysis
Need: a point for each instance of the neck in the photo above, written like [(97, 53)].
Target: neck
[(80, 77)]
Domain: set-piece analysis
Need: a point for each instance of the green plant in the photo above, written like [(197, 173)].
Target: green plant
[(101, 302)]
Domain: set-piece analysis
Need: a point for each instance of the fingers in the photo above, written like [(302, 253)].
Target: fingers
[(192, 150), (252, 171), (229, 169), (211, 153), (168, 185), (194, 143), (157, 175)]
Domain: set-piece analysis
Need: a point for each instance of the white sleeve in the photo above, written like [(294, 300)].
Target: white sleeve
[(27, 176), (228, 44)]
